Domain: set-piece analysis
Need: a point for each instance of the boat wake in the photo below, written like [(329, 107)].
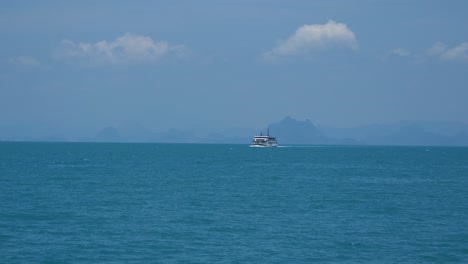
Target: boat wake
[(301, 146)]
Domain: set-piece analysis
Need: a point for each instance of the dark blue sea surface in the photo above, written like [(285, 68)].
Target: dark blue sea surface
[(183, 203)]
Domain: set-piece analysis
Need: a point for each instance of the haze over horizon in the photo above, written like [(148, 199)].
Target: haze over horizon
[(80, 66)]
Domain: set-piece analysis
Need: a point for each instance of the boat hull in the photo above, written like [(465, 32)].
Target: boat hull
[(263, 146)]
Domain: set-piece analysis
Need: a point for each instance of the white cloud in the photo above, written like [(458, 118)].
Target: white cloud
[(401, 52), (309, 38), (459, 52), (443, 52), (437, 49), (127, 49), (26, 61)]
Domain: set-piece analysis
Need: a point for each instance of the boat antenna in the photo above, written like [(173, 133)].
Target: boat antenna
[(268, 132)]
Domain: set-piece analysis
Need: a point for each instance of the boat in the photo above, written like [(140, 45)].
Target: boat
[(264, 141)]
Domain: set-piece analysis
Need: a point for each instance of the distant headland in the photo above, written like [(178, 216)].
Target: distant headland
[(287, 130)]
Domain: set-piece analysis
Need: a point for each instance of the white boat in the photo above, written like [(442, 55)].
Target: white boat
[(264, 141)]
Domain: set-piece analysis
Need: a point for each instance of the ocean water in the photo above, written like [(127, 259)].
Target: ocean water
[(183, 203)]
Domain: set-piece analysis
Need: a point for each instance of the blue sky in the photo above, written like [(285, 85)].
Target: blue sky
[(82, 65)]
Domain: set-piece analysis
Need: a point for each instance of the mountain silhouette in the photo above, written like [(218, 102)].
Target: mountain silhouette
[(288, 131), (408, 133), (108, 134), (292, 131)]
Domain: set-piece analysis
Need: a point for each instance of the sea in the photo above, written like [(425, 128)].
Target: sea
[(216, 203)]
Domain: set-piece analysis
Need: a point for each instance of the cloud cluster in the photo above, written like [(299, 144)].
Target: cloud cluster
[(401, 52), (438, 51), (309, 38), (457, 53), (127, 49), (26, 61)]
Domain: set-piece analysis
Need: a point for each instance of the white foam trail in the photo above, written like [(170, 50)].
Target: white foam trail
[(302, 146)]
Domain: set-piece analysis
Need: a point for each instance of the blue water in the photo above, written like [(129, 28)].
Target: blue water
[(182, 203)]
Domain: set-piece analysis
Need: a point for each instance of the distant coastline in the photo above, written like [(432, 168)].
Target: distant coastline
[(288, 131)]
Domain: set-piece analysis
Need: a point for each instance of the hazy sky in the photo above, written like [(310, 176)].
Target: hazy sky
[(83, 65)]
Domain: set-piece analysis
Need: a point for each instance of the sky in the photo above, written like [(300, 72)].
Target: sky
[(79, 66)]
